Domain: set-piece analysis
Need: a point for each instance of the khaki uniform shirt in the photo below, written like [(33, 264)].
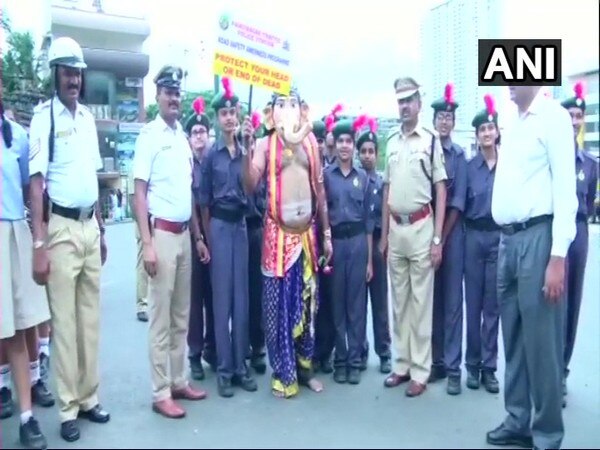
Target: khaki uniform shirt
[(408, 167)]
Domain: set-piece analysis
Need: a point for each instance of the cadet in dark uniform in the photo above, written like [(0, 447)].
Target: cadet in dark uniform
[(257, 203), (448, 292), (324, 328), (350, 214), (481, 256), (224, 206), (377, 287), (586, 168), (201, 331)]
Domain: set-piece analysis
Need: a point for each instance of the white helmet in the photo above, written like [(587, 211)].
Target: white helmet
[(65, 51)]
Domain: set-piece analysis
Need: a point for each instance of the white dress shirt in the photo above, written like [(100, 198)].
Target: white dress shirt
[(535, 173), (71, 177), (163, 158)]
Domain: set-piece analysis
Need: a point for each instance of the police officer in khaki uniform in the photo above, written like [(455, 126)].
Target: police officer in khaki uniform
[(162, 168), (69, 251), (411, 234)]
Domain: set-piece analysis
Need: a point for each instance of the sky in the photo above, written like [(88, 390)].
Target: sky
[(342, 51)]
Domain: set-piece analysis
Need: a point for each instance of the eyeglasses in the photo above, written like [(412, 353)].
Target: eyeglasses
[(198, 132)]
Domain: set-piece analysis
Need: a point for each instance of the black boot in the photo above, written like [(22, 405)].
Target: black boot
[(6, 403), (40, 395), (473, 379), (196, 368), (31, 436), (490, 382)]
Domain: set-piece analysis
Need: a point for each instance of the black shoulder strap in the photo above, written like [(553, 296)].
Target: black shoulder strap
[(427, 174)]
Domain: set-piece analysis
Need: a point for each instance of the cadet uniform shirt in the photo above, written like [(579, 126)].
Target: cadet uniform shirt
[(221, 185), (163, 158), (376, 187), (586, 167), (71, 177), (535, 175), (257, 202), (409, 166), (14, 165), (480, 182), (349, 198), (456, 171)]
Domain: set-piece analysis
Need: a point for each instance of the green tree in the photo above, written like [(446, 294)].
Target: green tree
[(22, 87)]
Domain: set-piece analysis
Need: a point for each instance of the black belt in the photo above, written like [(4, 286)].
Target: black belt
[(484, 224), (79, 214), (581, 217), (347, 230), (516, 227), (254, 222), (227, 215)]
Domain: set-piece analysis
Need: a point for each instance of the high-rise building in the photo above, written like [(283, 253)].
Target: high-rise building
[(450, 34)]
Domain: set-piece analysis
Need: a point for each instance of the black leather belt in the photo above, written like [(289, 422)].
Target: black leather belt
[(228, 215), (254, 222), (516, 227), (582, 217), (347, 230), (484, 224), (79, 214)]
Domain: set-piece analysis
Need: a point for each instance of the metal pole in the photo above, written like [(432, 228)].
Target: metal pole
[(250, 100), (217, 82)]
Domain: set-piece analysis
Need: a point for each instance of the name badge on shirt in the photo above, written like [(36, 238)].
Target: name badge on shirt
[(165, 147), (64, 133), (581, 175), (356, 183)]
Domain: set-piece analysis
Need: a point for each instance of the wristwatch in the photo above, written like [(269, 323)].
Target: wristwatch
[(437, 240), (38, 244)]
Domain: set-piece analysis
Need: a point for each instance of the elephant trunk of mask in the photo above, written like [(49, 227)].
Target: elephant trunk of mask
[(292, 131)]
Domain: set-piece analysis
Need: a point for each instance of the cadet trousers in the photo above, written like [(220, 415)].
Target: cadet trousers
[(74, 296), (255, 290), (229, 278), (576, 262), (533, 333), (411, 276), (169, 306), (447, 332)]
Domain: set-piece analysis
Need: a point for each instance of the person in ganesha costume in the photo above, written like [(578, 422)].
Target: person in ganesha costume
[(288, 157)]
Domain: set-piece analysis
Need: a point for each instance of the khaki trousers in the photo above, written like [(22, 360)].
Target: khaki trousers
[(411, 276), (74, 296), (169, 309), (142, 275)]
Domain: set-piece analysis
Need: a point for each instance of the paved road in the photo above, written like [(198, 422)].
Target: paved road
[(365, 416)]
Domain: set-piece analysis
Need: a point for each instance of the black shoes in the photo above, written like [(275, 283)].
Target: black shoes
[(6, 403), (142, 316), (453, 387), (69, 431), (31, 436), (224, 387), (96, 415), (257, 362), (354, 376), (340, 375), (490, 382), (40, 395), (246, 382), (473, 379), (437, 373), (385, 365), (326, 366), (196, 369), (503, 436)]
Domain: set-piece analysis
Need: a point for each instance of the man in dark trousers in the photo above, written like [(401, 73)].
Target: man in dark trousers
[(448, 291), (367, 146), (586, 167), (224, 207), (201, 331), (536, 232)]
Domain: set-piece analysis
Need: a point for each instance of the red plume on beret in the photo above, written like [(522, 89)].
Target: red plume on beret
[(329, 122), (489, 104), (449, 93), (373, 124), (226, 82), (578, 89), (198, 105), (360, 122), (256, 120), (337, 109)]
